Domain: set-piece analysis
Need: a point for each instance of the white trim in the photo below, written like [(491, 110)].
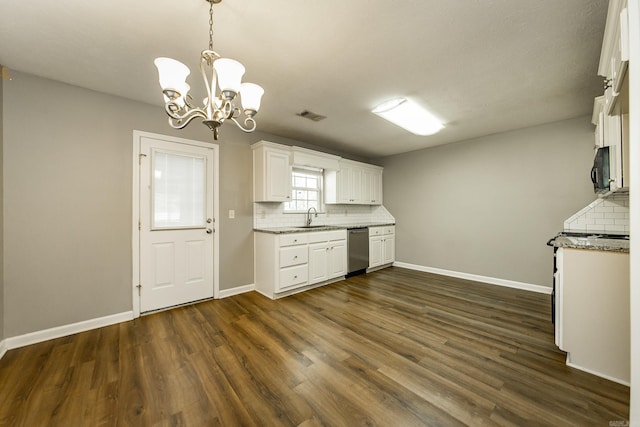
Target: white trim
[(596, 373), (477, 278), (299, 290), (135, 233), (216, 215), (224, 293), (634, 208), (63, 331), (135, 212), (4, 347)]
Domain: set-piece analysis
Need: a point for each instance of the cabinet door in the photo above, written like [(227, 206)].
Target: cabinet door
[(344, 184), (278, 176), (318, 259), (376, 187), (375, 251), (356, 186), (337, 258), (350, 183), (367, 186), (388, 249)]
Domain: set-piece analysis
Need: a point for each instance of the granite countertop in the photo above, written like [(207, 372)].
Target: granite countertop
[(592, 242), (301, 229)]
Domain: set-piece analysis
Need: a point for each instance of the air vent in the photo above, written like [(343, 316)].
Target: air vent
[(311, 116)]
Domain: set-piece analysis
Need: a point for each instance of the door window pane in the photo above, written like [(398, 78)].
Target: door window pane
[(178, 190)]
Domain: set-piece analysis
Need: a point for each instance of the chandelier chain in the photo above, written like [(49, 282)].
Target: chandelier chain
[(210, 24)]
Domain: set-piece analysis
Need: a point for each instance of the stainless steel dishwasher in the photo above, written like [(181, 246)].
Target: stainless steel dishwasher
[(358, 247)]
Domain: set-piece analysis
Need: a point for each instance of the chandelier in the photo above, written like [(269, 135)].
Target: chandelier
[(216, 108)]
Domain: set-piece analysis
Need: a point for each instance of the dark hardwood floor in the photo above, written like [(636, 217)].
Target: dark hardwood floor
[(392, 348)]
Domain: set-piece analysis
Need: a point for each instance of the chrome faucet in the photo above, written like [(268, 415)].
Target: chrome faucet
[(309, 215)]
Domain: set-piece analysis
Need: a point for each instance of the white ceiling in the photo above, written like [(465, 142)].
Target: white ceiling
[(483, 66)]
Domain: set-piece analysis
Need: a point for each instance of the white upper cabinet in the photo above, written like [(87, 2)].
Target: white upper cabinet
[(372, 185), (614, 56), (271, 173), (354, 184), (345, 181), (314, 159), (611, 111)]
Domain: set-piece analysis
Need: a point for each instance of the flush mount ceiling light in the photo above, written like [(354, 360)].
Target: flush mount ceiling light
[(409, 115), (216, 108)]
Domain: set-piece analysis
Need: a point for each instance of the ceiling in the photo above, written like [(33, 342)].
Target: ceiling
[(482, 66)]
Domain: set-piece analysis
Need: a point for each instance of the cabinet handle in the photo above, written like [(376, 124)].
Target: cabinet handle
[(295, 257), (295, 277)]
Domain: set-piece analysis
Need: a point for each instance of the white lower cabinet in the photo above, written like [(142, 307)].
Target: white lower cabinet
[(382, 246), (318, 262), (592, 311), (327, 256), (286, 263), (337, 258), (388, 249)]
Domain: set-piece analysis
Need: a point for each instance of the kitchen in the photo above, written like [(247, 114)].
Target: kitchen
[(493, 225)]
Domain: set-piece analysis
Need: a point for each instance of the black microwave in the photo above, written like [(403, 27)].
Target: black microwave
[(600, 171)]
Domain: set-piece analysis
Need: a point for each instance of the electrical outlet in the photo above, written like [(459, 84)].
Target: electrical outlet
[(232, 214)]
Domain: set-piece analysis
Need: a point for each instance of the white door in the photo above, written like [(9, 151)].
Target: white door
[(176, 223)]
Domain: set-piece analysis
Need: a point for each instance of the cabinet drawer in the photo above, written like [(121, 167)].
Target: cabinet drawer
[(376, 231), (318, 237), (293, 255), (325, 236), (293, 276), (293, 239), (389, 230), (337, 235)]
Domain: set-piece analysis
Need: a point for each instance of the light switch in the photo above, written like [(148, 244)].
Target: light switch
[(232, 214)]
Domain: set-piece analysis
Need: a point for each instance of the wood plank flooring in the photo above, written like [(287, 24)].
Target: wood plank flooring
[(391, 348)]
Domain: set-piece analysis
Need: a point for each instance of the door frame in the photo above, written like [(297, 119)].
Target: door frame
[(135, 212)]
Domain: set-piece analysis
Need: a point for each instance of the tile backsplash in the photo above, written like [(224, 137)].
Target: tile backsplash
[(269, 215), (607, 215)]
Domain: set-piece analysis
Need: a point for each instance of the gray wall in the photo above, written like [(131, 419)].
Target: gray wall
[(68, 200), (487, 206), (1, 217)]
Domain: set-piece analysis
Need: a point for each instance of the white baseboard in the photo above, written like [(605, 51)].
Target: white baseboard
[(3, 348), (62, 331), (596, 373), (224, 293), (477, 278), (299, 290)]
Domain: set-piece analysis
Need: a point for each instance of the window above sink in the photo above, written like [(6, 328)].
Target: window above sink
[(306, 190)]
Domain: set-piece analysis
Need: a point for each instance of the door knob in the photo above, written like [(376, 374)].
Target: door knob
[(209, 231)]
